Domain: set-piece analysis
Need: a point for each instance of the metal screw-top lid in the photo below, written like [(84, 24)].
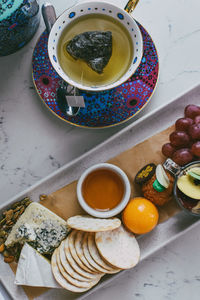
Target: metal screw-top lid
[(172, 167)]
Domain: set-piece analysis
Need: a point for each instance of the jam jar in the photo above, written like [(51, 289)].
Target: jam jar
[(19, 20)]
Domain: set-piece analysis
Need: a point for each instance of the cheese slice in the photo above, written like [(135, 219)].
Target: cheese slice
[(40, 227), (34, 270)]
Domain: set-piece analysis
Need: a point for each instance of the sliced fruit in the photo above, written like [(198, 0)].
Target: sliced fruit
[(195, 170), (188, 187), (194, 175)]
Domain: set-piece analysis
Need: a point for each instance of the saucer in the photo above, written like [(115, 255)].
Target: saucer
[(102, 109)]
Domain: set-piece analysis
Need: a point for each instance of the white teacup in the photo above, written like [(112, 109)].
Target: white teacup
[(88, 8)]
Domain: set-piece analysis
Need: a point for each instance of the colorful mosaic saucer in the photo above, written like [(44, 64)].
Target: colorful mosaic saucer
[(102, 109)]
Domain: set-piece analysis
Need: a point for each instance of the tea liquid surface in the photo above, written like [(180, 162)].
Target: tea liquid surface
[(122, 51)]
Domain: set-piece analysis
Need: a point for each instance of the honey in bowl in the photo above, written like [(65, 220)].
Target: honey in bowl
[(122, 51), (103, 189)]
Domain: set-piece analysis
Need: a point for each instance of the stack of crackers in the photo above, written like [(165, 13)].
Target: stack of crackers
[(94, 247)]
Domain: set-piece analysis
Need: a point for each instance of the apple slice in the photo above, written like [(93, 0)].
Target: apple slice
[(187, 186)]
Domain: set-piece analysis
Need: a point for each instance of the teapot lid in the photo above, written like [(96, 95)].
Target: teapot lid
[(7, 7)]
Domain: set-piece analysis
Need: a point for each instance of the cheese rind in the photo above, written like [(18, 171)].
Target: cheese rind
[(40, 227), (34, 270)]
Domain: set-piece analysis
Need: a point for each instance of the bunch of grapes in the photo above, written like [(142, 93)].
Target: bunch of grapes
[(184, 145)]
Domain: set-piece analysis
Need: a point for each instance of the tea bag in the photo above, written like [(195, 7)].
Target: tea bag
[(94, 47)]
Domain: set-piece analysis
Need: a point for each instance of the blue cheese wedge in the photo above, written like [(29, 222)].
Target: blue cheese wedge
[(34, 270), (40, 227)]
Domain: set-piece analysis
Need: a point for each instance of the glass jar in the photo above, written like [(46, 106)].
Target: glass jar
[(19, 20), (183, 197)]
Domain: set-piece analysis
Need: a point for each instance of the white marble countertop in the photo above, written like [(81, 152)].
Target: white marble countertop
[(33, 142)]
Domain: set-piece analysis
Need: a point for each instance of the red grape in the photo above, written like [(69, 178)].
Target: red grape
[(183, 124), (197, 120), (179, 139), (196, 148), (184, 143), (194, 131), (191, 111), (182, 156), (168, 150)]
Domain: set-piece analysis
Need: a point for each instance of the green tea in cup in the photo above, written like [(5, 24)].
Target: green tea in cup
[(120, 60), (97, 72)]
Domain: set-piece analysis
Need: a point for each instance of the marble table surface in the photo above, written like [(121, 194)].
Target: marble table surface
[(34, 143)]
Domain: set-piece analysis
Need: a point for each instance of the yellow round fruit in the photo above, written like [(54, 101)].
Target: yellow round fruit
[(140, 215)]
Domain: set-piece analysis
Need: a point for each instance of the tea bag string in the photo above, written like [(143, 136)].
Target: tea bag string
[(82, 77)]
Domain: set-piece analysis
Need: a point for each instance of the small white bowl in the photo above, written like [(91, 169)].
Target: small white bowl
[(116, 210)]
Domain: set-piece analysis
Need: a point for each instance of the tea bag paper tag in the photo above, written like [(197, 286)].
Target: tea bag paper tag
[(75, 101)]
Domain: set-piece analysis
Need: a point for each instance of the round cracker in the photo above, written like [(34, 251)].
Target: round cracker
[(96, 256), (66, 265), (70, 279), (88, 256), (118, 247), (79, 260), (90, 224), (61, 280), (79, 249), (74, 265)]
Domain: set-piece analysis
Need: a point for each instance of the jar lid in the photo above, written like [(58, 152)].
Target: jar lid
[(158, 187), (7, 7), (172, 167)]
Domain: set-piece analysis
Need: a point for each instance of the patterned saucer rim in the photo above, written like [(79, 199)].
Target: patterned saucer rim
[(106, 126)]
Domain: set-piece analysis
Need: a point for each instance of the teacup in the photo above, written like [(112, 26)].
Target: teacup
[(103, 190), (73, 16)]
